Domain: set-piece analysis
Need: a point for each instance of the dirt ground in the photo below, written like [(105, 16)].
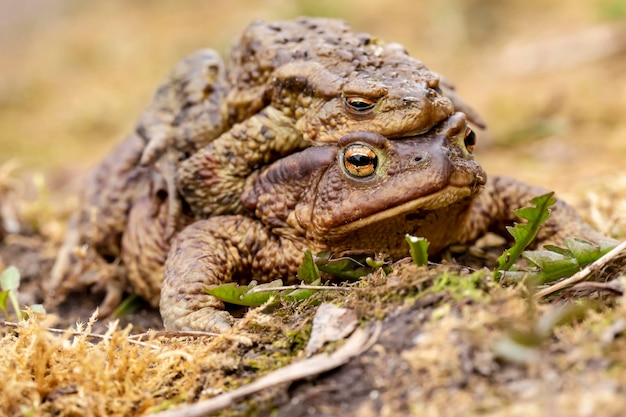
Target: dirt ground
[(549, 77)]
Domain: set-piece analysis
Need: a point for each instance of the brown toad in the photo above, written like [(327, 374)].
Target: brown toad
[(307, 81), (287, 85), (290, 66), (363, 194)]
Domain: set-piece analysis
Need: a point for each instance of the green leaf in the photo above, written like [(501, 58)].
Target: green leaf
[(553, 265), (515, 276), (35, 309), (418, 247), (4, 296), (308, 271), (607, 245), (10, 282), (555, 262), (253, 299), (351, 268), (585, 252), (10, 279), (558, 249), (300, 294), (247, 295), (241, 295), (525, 233), (38, 308), (229, 293), (373, 263), (545, 259)]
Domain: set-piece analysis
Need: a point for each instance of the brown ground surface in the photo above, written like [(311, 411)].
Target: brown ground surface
[(549, 77)]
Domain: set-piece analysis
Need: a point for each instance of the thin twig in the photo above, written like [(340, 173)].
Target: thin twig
[(359, 342), (614, 286), (585, 272), (90, 335), (172, 334), (297, 287)]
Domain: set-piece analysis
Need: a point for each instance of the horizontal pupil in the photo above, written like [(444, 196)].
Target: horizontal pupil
[(360, 104), (360, 160)]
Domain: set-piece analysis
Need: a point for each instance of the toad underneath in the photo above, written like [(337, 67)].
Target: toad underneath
[(363, 194)]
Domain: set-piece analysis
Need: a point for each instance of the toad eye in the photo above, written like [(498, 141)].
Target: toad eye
[(359, 105), (470, 140), (359, 161)]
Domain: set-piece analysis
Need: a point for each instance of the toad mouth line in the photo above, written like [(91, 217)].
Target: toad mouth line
[(442, 198)]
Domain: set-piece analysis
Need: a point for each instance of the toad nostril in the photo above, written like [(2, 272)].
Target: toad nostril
[(418, 158), (408, 100)]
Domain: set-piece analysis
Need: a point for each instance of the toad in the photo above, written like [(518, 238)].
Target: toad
[(286, 86), (301, 68), (361, 194)]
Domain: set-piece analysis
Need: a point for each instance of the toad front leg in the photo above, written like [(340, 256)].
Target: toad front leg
[(215, 251), (211, 181)]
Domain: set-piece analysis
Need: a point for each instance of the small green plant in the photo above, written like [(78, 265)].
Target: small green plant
[(552, 262), (241, 294), (525, 233), (253, 295), (347, 267), (9, 285), (418, 248), (308, 270)]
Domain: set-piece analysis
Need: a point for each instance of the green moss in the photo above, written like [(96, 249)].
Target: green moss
[(458, 286), (296, 340)]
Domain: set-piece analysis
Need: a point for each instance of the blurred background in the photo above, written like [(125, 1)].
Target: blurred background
[(548, 76)]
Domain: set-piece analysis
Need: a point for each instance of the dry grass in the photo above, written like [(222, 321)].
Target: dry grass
[(74, 375)]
